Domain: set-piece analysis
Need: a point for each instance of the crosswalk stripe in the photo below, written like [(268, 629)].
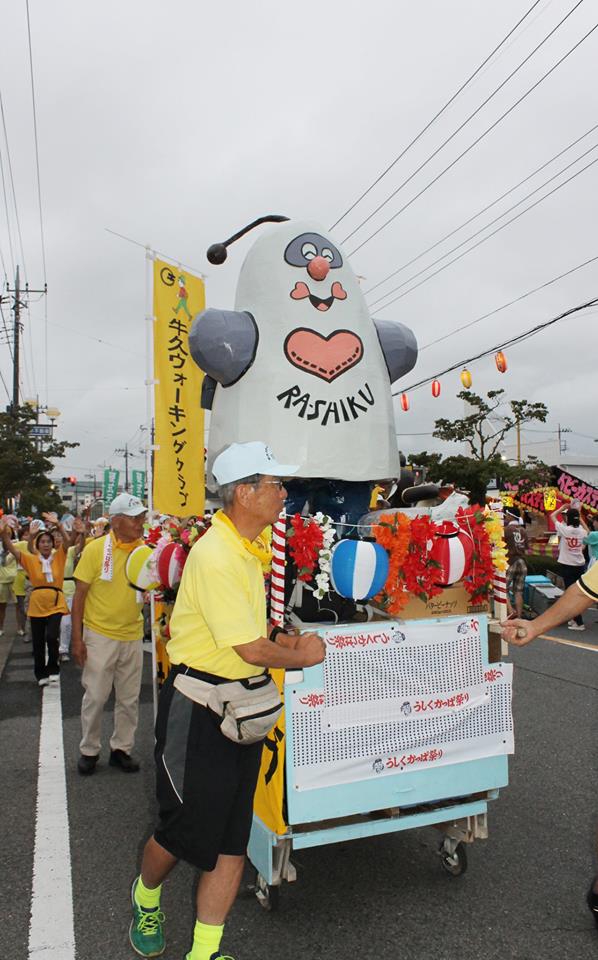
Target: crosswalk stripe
[(52, 928)]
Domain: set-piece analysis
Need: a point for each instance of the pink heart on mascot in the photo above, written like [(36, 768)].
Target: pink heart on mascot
[(326, 357)]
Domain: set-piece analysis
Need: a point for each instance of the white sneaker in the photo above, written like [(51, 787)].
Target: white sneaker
[(54, 678), (1, 633), (20, 633), (575, 626), (43, 681), (64, 657)]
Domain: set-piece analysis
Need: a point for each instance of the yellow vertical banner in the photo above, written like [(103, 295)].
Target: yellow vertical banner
[(178, 473)]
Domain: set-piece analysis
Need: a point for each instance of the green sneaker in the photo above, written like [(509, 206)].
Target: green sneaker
[(145, 933)]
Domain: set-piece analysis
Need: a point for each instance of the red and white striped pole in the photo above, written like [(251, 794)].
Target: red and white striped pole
[(500, 582), (279, 550)]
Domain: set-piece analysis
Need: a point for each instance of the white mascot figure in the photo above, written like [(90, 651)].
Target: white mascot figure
[(299, 363)]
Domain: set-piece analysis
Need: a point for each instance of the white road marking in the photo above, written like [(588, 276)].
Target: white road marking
[(51, 929)]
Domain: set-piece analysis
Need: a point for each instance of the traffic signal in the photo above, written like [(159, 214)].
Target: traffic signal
[(73, 481)]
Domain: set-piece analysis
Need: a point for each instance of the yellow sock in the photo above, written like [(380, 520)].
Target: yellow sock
[(146, 897), (206, 941)]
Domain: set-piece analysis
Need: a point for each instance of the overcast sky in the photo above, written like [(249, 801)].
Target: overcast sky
[(177, 124)]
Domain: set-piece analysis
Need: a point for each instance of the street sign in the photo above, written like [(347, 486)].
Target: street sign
[(138, 478), (110, 484), (40, 430)]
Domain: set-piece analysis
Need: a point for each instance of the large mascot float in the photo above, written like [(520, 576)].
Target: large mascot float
[(407, 722)]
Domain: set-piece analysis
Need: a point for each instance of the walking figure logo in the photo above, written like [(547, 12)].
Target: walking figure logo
[(182, 301)]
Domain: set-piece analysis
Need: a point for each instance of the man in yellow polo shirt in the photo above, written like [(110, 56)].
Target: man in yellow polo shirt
[(106, 638), (577, 598), (219, 633)]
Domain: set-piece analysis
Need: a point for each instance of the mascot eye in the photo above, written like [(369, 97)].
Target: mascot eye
[(328, 254), (309, 251)]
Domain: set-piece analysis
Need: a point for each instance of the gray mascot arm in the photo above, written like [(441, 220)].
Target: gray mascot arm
[(399, 347), (223, 344)]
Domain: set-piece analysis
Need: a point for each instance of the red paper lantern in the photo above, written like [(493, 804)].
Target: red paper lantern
[(501, 362), (435, 388), (466, 378), (453, 550), (404, 402), (170, 564)]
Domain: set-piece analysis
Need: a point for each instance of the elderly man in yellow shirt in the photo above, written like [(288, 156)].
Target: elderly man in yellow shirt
[(106, 637), (577, 598), (220, 643)]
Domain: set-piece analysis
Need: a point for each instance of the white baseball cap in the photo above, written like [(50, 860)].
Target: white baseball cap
[(127, 506), (246, 459)]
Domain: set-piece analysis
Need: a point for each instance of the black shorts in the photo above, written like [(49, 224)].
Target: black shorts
[(204, 782)]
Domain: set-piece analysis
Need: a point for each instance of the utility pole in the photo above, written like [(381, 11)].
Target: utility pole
[(17, 304), (562, 443), (518, 432), (15, 345), (126, 455)]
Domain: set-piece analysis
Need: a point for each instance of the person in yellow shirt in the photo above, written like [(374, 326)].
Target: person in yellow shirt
[(8, 573), (205, 782), (47, 605), (106, 637), (19, 587), (577, 598)]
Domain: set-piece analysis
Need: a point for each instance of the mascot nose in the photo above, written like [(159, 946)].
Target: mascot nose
[(318, 268)]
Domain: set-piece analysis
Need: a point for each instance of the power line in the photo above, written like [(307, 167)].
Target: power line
[(8, 230), (493, 232), (526, 335), (434, 118), (477, 140), (465, 122), (510, 303), (41, 218), (12, 183), (35, 137), (479, 213)]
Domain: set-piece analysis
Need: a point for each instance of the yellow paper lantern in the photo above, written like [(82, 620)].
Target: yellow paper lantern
[(139, 569), (466, 378), (550, 495)]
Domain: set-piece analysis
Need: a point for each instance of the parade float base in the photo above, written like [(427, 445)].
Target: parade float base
[(406, 724)]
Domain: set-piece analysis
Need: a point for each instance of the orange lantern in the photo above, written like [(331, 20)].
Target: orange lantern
[(466, 378), (404, 402), (501, 362), (435, 388)]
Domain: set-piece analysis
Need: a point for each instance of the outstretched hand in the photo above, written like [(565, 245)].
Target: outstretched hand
[(517, 632)]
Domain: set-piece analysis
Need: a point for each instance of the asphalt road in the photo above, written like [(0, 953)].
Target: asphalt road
[(523, 896)]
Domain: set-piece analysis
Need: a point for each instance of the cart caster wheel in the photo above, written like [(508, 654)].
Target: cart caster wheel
[(268, 896), (454, 863)]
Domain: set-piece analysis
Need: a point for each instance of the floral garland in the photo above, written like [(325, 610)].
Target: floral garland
[(328, 535), (495, 530), (392, 533), (478, 581), (310, 541), (305, 539), (420, 571)]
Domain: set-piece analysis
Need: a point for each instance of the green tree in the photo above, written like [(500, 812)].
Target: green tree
[(24, 467), (479, 430)]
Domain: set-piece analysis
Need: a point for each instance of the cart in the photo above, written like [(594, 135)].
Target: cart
[(398, 792)]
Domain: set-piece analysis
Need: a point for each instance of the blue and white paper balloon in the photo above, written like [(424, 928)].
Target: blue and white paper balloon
[(358, 569)]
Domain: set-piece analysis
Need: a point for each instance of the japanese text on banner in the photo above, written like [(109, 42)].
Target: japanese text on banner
[(179, 422)]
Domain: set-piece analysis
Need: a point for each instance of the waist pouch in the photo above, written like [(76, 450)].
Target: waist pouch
[(246, 710)]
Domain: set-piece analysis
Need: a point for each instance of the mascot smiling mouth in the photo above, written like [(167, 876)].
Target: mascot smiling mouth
[(301, 291)]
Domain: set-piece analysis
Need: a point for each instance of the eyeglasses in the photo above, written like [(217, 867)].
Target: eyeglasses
[(275, 483)]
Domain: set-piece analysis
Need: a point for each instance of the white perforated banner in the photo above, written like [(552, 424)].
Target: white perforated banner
[(398, 697)]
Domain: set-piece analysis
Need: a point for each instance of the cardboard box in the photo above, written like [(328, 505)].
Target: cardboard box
[(453, 601)]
